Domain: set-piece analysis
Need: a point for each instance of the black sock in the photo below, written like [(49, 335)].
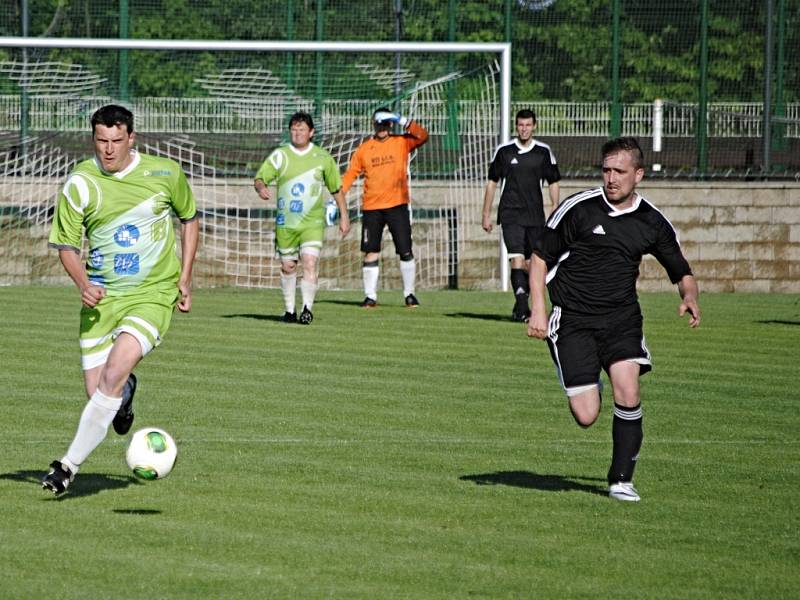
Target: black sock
[(520, 286), (627, 434)]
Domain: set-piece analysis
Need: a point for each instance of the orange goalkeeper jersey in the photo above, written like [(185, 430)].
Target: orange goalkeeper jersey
[(385, 167)]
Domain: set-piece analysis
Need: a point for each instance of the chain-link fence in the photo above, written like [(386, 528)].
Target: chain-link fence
[(590, 68)]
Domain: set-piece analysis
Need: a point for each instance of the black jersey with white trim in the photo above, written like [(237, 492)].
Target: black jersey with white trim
[(593, 251), (523, 169)]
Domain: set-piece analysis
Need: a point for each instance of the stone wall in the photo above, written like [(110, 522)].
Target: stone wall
[(738, 236)]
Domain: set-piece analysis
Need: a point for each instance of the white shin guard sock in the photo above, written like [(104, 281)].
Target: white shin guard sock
[(309, 291), (288, 287), (92, 428), (371, 275), (408, 271)]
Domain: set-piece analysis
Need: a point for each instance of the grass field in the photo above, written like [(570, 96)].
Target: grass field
[(404, 454)]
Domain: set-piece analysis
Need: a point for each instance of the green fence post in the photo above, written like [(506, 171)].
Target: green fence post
[(701, 133), (318, 98), (24, 102), (779, 141), (124, 33), (616, 106), (451, 142)]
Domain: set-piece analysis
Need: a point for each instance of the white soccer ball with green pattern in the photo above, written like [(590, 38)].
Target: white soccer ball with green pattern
[(151, 453)]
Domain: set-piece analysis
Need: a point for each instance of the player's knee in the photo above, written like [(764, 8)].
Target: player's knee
[(407, 256), (288, 268), (584, 403)]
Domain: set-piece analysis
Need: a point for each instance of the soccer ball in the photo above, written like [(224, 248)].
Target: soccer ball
[(151, 453)]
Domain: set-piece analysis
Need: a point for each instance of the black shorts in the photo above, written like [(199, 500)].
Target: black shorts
[(520, 239), (397, 218), (583, 344)]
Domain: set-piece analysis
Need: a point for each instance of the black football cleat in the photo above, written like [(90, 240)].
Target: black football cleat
[(58, 479)]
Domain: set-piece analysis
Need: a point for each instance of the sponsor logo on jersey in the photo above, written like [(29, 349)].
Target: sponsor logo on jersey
[(296, 206), (126, 263), (598, 230), (281, 203), (126, 235), (280, 220), (96, 258), (298, 189), (159, 173)]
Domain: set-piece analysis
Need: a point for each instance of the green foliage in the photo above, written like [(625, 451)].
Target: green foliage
[(562, 52), (403, 454)]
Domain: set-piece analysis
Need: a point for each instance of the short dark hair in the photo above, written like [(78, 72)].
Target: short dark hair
[(629, 144), (525, 113), (301, 117), (112, 115)]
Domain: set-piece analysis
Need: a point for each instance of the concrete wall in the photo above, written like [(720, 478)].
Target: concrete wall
[(738, 236)]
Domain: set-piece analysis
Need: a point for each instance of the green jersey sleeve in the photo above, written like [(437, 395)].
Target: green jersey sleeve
[(333, 180), (66, 230)]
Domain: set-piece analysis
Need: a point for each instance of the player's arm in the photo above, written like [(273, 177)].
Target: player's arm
[(554, 190), (488, 198), (689, 291), (537, 324), (189, 235), (344, 216), (417, 133), (261, 189), (354, 170), (91, 293)]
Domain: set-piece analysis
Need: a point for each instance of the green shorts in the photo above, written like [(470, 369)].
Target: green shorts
[(291, 243), (146, 316)]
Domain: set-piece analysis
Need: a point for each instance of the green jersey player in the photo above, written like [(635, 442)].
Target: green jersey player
[(132, 279), (301, 169)]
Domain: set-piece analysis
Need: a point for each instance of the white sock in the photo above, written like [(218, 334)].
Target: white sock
[(92, 428), (309, 291), (371, 275), (408, 270), (288, 287)]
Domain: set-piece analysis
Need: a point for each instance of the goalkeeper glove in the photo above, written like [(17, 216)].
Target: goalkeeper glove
[(390, 117)]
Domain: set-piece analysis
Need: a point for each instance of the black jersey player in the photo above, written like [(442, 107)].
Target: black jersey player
[(588, 258)]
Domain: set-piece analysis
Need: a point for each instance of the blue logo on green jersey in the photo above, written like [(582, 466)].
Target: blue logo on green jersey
[(298, 189), (96, 258), (127, 235), (126, 263), (280, 220), (296, 206)]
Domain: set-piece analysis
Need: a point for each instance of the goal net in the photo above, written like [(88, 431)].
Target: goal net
[(219, 113)]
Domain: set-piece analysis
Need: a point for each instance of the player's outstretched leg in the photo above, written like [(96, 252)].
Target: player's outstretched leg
[(124, 418)]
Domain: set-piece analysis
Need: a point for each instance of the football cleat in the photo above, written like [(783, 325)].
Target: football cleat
[(623, 490), (289, 317), (124, 418), (411, 301), (521, 316), (305, 317), (58, 479), (369, 303)]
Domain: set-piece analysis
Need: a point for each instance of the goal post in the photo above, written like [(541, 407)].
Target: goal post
[(221, 135)]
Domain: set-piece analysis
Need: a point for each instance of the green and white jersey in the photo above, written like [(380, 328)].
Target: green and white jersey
[(300, 175), (127, 219)]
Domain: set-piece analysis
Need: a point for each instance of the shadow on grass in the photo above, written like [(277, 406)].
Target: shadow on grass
[(778, 322), (258, 317), (482, 317), (85, 484), (536, 481), (340, 302), (136, 511)]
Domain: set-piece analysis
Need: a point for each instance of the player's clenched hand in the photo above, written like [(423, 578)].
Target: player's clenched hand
[(92, 294), (537, 325), (344, 225), (487, 224), (185, 301)]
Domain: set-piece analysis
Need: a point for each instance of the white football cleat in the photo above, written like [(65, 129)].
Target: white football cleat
[(623, 490)]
